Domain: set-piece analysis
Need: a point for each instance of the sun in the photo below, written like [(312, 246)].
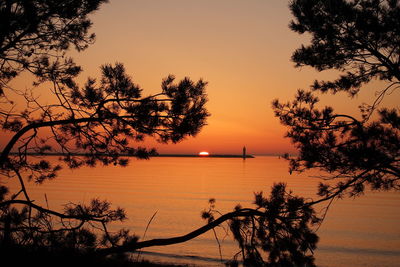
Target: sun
[(204, 153)]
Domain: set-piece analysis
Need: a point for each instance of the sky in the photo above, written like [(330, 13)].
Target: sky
[(241, 48)]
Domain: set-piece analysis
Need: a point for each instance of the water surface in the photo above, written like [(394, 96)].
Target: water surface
[(356, 232)]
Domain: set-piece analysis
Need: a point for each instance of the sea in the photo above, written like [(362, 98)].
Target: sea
[(165, 196)]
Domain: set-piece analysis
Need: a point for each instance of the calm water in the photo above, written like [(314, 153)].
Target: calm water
[(357, 232)]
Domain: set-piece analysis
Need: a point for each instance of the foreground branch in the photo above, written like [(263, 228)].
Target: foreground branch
[(183, 238)]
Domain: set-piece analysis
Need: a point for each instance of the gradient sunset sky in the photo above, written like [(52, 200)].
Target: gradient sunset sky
[(242, 48)]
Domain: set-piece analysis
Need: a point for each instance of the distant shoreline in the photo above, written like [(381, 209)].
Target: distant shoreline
[(198, 156), (152, 156)]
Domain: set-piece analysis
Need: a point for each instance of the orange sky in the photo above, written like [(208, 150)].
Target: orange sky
[(242, 48)]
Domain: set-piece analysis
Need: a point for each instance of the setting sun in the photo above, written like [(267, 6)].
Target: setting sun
[(204, 153)]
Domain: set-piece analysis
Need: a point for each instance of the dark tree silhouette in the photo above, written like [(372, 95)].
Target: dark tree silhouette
[(35, 34), (98, 122), (277, 232), (361, 39)]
